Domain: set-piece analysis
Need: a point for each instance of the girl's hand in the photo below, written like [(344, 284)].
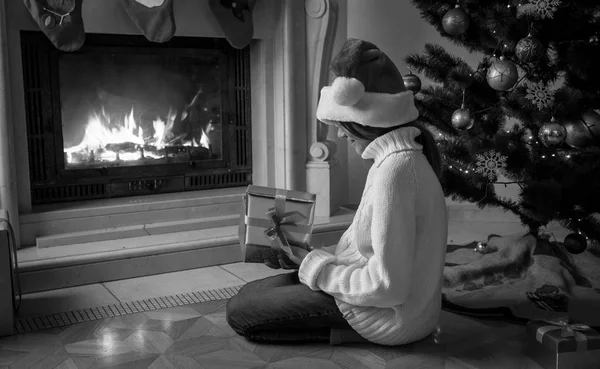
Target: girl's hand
[(297, 255), (283, 262)]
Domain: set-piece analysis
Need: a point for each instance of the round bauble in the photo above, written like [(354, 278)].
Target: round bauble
[(456, 22), (502, 75), (552, 133), (592, 121), (412, 82), (575, 243), (529, 49), (578, 134), (462, 119)]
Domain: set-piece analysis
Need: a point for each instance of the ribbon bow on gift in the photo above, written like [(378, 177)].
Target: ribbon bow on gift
[(275, 233), (566, 330)]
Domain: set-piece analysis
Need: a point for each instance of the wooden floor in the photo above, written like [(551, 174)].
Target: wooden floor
[(197, 336)]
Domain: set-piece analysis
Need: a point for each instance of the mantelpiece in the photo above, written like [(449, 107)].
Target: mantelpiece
[(289, 57)]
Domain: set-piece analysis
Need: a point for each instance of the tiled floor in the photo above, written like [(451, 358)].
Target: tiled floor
[(197, 335), (142, 288)]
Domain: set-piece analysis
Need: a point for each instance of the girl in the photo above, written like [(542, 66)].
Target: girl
[(382, 281)]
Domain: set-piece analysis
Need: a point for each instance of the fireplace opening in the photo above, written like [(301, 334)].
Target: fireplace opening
[(125, 117), (123, 109)]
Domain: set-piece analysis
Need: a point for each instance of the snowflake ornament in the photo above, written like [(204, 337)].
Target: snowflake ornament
[(540, 8), (490, 164), (540, 95)]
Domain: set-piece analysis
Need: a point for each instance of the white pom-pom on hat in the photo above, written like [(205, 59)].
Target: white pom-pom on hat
[(347, 91)]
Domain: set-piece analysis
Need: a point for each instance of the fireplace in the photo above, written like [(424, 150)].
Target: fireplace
[(126, 117)]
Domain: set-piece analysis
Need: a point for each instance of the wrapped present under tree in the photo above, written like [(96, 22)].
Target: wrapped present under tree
[(567, 345)]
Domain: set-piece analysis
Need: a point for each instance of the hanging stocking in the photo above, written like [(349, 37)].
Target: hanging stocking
[(60, 20), (153, 17), (235, 19)]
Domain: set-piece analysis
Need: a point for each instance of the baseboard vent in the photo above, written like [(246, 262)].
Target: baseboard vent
[(32, 324)]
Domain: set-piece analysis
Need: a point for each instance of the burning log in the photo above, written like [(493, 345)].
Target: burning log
[(198, 153), (122, 147)]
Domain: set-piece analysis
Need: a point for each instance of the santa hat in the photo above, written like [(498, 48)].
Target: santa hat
[(368, 89)]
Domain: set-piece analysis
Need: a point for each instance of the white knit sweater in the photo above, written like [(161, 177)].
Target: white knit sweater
[(386, 271)]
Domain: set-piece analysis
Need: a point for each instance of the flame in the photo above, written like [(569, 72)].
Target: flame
[(101, 132)]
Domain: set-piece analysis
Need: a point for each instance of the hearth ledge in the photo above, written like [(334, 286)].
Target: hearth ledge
[(95, 262)]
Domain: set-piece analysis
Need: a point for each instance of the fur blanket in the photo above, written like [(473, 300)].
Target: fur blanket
[(526, 278)]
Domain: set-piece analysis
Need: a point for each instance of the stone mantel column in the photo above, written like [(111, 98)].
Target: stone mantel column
[(289, 97), (8, 176), (321, 168)]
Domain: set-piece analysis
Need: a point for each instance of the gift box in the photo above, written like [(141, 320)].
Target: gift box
[(274, 219), (560, 344)]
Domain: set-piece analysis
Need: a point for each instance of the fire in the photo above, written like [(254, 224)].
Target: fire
[(107, 141)]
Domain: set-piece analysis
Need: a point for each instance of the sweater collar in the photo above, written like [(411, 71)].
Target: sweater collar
[(401, 139)]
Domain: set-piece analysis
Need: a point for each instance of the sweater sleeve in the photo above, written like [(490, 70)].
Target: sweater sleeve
[(384, 280)]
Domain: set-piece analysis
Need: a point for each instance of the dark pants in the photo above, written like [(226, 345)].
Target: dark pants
[(280, 309)]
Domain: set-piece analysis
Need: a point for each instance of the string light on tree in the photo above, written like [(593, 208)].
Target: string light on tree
[(456, 22)]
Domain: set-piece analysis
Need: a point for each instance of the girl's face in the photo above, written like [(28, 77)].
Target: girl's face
[(359, 144)]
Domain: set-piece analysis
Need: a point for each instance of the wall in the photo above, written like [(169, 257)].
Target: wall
[(341, 152), (397, 28)]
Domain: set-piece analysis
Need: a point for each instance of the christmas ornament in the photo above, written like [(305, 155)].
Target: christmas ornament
[(552, 54), (490, 164), (455, 22), (579, 135), (575, 243), (529, 49), (462, 119), (235, 19), (502, 75), (539, 8), (484, 248), (552, 133), (60, 20), (540, 95), (153, 17), (594, 40), (412, 82), (592, 121)]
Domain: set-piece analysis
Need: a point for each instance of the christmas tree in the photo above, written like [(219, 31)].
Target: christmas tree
[(528, 113)]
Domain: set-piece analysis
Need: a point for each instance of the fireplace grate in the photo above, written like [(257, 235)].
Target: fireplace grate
[(201, 182), (68, 193)]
